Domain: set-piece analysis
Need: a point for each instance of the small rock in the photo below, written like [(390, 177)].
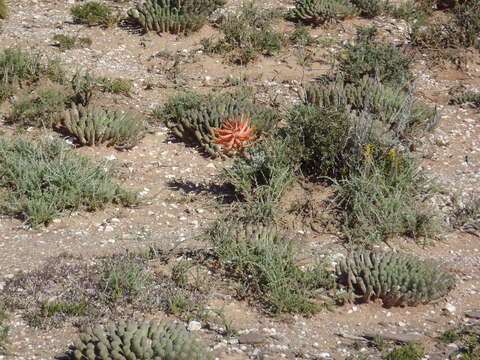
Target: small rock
[(252, 338), (405, 338), (473, 314), (194, 325), (449, 308), (324, 355)]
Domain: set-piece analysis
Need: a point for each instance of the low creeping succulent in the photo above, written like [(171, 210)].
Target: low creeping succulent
[(138, 341), (467, 97), (93, 126), (196, 123), (394, 108), (396, 279), (174, 16), (317, 12)]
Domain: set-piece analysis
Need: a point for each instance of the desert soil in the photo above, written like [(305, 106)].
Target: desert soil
[(178, 184)]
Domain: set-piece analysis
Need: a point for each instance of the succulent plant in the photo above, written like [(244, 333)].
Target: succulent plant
[(467, 97), (174, 16), (93, 126), (395, 108), (137, 341), (317, 12), (396, 279), (196, 123)]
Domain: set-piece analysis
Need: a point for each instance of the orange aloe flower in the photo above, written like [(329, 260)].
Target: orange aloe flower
[(234, 134)]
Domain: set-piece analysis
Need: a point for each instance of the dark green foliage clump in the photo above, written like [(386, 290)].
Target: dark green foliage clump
[(93, 13), (385, 197), (378, 60), (371, 8), (412, 351), (396, 279), (67, 42), (43, 109), (263, 261), (191, 116), (93, 126), (19, 67), (44, 178), (467, 97), (318, 12), (141, 341), (174, 16)]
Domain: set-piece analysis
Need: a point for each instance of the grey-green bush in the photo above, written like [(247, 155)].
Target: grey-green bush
[(396, 279), (41, 179), (140, 341), (379, 60)]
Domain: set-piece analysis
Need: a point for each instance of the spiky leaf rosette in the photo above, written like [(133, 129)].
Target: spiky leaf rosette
[(174, 16), (137, 341), (317, 12), (396, 279), (196, 123), (394, 108), (94, 125)]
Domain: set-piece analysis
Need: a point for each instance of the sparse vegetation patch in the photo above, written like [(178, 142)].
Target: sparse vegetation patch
[(42, 179), (263, 261), (94, 13)]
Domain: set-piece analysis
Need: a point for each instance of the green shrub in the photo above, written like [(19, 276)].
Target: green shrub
[(410, 351), (44, 109), (95, 125), (125, 277), (318, 12), (385, 198), (142, 341), (396, 279), (371, 8), (50, 309), (175, 16), (368, 57), (261, 176), (263, 261), (44, 178), (67, 42), (93, 13), (19, 66), (247, 34), (115, 86), (3, 10)]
